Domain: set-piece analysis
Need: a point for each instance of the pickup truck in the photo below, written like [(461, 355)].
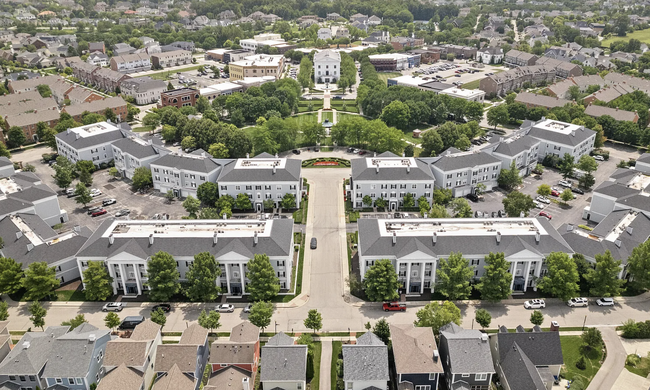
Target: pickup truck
[(394, 306)]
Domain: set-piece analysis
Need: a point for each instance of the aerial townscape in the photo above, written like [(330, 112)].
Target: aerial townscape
[(324, 195)]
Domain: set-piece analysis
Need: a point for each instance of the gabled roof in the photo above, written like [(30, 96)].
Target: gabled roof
[(146, 330), (229, 378), (516, 146), (542, 348), (185, 162), (283, 361), (519, 370), (170, 355), (30, 354), (467, 351), (464, 161), (367, 360), (244, 332), (121, 378), (135, 149), (125, 352), (413, 349), (174, 379), (194, 334), (72, 352)]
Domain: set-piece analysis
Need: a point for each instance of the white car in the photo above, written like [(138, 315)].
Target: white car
[(113, 306), (578, 302), (535, 304), (225, 308), (564, 183), (543, 199), (599, 158), (539, 205), (248, 307), (605, 302), (95, 192)]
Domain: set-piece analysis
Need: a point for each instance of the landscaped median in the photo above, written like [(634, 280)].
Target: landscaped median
[(326, 162)]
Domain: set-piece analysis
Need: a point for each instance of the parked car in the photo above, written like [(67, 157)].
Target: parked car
[(577, 190), (108, 202), (543, 199), (605, 302), (565, 183), (98, 213), (123, 212), (545, 214), (555, 193), (95, 192), (166, 307), (535, 304), (248, 307), (225, 308), (313, 243), (361, 153), (131, 322), (113, 306), (473, 197), (93, 209), (478, 214), (539, 205), (295, 151), (598, 157), (578, 302), (394, 306)]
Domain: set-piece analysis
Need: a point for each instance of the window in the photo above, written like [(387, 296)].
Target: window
[(481, 377), (32, 378), (475, 261), (22, 378), (423, 387), (58, 380), (465, 375), (223, 188), (71, 381), (238, 188)]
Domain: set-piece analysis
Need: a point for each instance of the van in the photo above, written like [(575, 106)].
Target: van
[(131, 322), (312, 245)]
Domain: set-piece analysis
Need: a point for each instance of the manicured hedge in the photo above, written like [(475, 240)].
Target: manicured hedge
[(324, 162)]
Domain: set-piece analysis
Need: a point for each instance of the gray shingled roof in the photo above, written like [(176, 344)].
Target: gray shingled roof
[(33, 194), (362, 171), (464, 161), (284, 363), (29, 360), (291, 172), (516, 146), (542, 348), (366, 361), (615, 190), (204, 165), (468, 353), (645, 158), (135, 149), (73, 351), (581, 135), (519, 370), (87, 142)]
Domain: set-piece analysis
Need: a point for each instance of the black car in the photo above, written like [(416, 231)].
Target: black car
[(313, 243), (295, 151), (577, 190), (472, 197), (337, 97), (166, 307)]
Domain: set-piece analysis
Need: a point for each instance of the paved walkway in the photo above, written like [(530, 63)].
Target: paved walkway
[(325, 364), (614, 362), (630, 381)]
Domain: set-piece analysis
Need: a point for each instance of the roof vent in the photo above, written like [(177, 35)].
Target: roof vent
[(435, 355), (151, 239), (111, 239), (30, 246), (274, 169), (537, 237), (484, 337), (215, 238), (92, 338), (394, 238), (19, 234), (377, 169), (26, 344), (569, 227), (255, 239), (498, 237), (435, 238), (408, 169), (618, 243)]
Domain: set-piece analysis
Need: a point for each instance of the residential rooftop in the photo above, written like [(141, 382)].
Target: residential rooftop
[(189, 228)]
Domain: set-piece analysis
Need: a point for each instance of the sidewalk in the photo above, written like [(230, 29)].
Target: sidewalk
[(614, 362), (325, 364)]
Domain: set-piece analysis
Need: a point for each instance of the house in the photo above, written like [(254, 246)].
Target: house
[(25, 364), (376, 37), (327, 66), (180, 97), (31, 84), (76, 358), (171, 58), (237, 356), (490, 55), (374, 20), (5, 340), (189, 356), (333, 16), (79, 95), (515, 58), (120, 49), (89, 142), (390, 177), (97, 58), (532, 100), (182, 45), (504, 82), (526, 360), (128, 362), (144, 90), (466, 357), (359, 18), (342, 32), (107, 79), (28, 121), (415, 245), (558, 138), (133, 152), (402, 43), (96, 46), (262, 178), (324, 33), (115, 104), (126, 253), (563, 69), (417, 361), (365, 364), (620, 115), (284, 365), (131, 63), (462, 172)]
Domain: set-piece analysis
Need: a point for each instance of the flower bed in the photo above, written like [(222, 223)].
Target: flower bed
[(325, 162)]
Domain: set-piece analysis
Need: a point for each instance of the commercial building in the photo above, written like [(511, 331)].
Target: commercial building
[(213, 91), (402, 43), (171, 58), (327, 66), (89, 142), (472, 95), (181, 97), (458, 51), (257, 65), (184, 173), (131, 63), (125, 247), (144, 90), (415, 246), (394, 61)]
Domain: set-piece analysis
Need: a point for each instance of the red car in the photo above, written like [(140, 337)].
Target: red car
[(394, 306), (98, 213), (545, 214), (555, 193)]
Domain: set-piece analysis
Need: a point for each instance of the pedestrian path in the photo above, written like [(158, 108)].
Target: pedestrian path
[(614, 362), (325, 382)]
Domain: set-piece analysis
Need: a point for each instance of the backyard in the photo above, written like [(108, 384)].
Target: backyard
[(572, 350), (641, 35)]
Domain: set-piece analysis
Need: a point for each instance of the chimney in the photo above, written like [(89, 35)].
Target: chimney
[(618, 243), (498, 237), (377, 169), (244, 384), (375, 154), (255, 239), (68, 131), (248, 155), (111, 239), (394, 238), (76, 135), (215, 238), (274, 169), (434, 238), (151, 239), (19, 234), (537, 237), (435, 355), (408, 169), (484, 337)]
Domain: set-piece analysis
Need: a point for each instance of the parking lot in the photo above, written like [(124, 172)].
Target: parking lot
[(445, 71)]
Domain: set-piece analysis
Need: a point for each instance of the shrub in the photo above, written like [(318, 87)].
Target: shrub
[(585, 227), (632, 360), (581, 364)]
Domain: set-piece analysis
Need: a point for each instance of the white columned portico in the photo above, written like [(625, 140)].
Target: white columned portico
[(111, 272), (423, 271), (228, 279), (513, 271), (121, 266), (527, 275), (408, 278), (434, 268), (538, 272), (242, 277), (136, 271)]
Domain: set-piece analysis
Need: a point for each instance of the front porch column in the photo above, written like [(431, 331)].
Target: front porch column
[(397, 268), (513, 272), (228, 278), (408, 278), (434, 268), (538, 272), (111, 272), (242, 277), (526, 276), (121, 266), (423, 270), (136, 272)]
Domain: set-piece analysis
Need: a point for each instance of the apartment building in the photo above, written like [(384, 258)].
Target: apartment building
[(107, 79), (563, 69), (626, 189), (415, 246), (28, 121), (532, 100), (461, 172), (131, 63), (504, 82), (125, 247), (26, 109), (183, 173), (115, 104), (21, 86), (523, 150), (257, 66), (516, 58), (144, 90), (558, 138), (133, 152), (262, 178), (402, 43), (390, 177), (171, 58), (89, 142), (180, 97)]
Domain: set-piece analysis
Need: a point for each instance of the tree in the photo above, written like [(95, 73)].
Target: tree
[(191, 205), (169, 196), (112, 320), (16, 137), (82, 194), (188, 143), (314, 320), (40, 281), (4, 152), (562, 279), (638, 265), (11, 275), (141, 179), (409, 200), (586, 181), (218, 150), (98, 284), (38, 314), (515, 203), (288, 201), (587, 163), (264, 284), (367, 201), (498, 116), (566, 165), (86, 178), (454, 275), (158, 316), (461, 208), (312, 133), (496, 280), (566, 195), (432, 143), (509, 179), (441, 196), (437, 315), (396, 114), (170, 86), (381, 282), (243, 202), (382, 330), (151, 120), (78, 320), (592, 338), (603, 279), (201, 278), (260, 315), (4, 311), (63, 175), (537, 318), (544, 190), (483, 318), (163, 277), (210, 320), (202, 104), (207, 193)]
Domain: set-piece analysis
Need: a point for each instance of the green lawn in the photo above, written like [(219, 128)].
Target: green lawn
[(303, 105), (165, 74), (301, 120), (641, 35), (384, 76), (70, 295), (142, 129), (472, 84), (336, 349), (315, 382), (350, 105), (642, 368), (572, 350), (327, 115)]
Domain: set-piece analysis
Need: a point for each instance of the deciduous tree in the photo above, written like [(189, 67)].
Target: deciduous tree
[(454, 275), (210, 320), (314, 320), (638, 265), (264, 284), (515, 203), (158, 316), (82, 194), (436, 315), (141, 178), (40, 281), (381, 282), (11, 275), (496, 280), (537, 318), (483, 318), (112, 320), (562, 279), (603, 279), (75, 322), (191, 205), (98, 284), (260, 314), (38, 314), (201, 278), (163, 277), (382, 330)]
